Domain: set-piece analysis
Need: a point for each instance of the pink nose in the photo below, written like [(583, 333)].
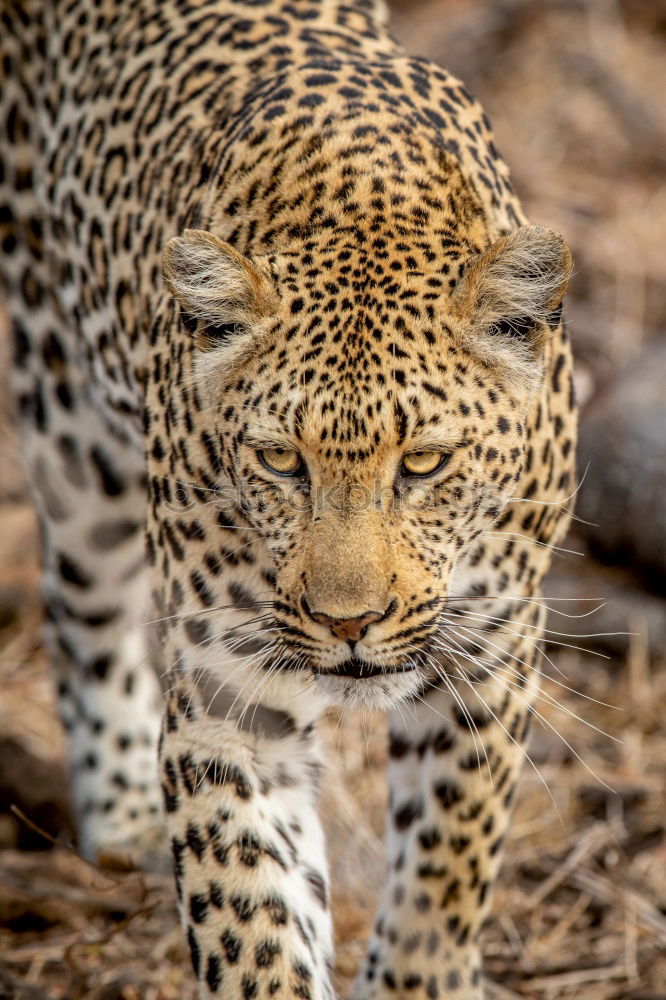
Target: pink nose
[(349, 629)]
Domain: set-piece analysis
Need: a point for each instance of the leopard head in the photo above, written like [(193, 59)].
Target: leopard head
[(369, 399)]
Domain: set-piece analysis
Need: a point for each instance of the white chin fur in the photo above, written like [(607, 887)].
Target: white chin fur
[(381, 692)]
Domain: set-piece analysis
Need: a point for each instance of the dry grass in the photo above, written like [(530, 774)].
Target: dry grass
[(580, 909)]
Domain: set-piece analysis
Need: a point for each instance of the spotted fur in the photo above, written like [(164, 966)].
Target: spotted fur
[(231, 226)]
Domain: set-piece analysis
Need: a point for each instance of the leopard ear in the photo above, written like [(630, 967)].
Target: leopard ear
[(223, 295), (510, 297)]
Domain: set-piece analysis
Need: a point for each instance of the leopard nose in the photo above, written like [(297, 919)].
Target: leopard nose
[(348, 629)]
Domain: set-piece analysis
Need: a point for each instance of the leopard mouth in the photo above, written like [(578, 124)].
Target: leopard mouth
[(360, 670)]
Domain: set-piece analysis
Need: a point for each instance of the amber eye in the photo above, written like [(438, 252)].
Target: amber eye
[(423, 463), (281, 461)]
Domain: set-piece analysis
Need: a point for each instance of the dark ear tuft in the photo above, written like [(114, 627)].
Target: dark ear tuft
[(519, 281), (519, 327), (554, 317), (191, 323), (221, 292), (221, 330), (510, 298)]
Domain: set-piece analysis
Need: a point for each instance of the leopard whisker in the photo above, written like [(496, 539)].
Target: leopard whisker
[(484, 704), (540, 693), (554, 503), (542, 629), (209, 611), (256, 669), (237, 641), (554, 680), (470, 721), (533, 643), (521, 599), (558, 549), (553, 642), (213, 640), (274, 667), (514, 691)]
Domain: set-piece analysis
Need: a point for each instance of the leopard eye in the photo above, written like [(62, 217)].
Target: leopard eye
[(281, 461), (423, 463)]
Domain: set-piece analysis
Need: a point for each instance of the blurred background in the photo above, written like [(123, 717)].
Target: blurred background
[(575, 90)]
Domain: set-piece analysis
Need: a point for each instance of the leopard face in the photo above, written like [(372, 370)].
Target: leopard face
[(370, 415)]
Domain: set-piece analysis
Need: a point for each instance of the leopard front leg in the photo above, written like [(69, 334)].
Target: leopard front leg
[(248, 849), (453, 771)]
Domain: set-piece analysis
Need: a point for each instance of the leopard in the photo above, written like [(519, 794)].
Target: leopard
[(296, 409)]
